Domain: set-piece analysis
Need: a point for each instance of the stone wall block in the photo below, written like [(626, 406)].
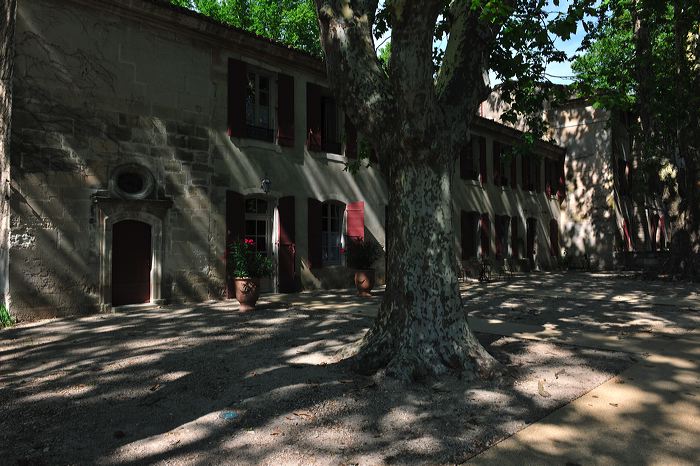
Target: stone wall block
[(177, 140), (198, 143), (134, 148), (184, 155)]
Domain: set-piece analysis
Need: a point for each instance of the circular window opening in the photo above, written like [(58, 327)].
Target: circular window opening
[(132, 182)]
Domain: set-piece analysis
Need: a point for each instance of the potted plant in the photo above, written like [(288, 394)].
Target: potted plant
[(248, 267), (360, 255)]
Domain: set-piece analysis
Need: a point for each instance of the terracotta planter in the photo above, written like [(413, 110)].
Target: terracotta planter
[(364, 281), (247, 292)]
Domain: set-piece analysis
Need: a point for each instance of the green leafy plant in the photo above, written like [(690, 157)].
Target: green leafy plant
[(361, 254), (6, 319), (247, 261)]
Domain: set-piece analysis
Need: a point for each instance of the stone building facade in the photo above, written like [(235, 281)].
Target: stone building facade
[(145, 138)]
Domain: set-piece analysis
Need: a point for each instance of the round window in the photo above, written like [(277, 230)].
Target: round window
[(132, 182)]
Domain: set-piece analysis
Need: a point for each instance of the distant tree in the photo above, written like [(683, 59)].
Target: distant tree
[(292, 22), (641, 60)]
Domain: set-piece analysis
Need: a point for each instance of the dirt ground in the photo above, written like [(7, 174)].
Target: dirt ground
[(210, 385)]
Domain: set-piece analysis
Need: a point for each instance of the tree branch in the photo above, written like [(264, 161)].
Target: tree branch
[(354, 71), (465, 64)]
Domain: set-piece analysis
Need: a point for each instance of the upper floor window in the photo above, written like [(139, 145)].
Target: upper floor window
[(322, 121), (258, 115), (467, 161), (253, 95)]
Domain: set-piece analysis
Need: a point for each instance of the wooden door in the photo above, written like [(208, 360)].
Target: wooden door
[(131, 263)]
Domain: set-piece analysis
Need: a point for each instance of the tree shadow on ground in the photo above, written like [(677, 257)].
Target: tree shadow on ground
[(152, 386)]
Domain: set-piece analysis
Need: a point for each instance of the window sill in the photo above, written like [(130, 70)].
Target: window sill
[(472, 183), (244, 143), (327, 156)]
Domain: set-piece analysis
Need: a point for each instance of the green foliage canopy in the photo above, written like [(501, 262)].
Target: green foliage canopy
[(292, 22)]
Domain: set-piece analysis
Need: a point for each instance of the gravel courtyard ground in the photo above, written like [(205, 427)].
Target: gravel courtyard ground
[(210, 385)]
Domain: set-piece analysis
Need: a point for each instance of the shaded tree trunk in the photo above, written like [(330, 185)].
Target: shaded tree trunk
[(422, 329), (417, 123)]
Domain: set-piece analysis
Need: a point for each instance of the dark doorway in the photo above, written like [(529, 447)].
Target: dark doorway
[(131, 263)]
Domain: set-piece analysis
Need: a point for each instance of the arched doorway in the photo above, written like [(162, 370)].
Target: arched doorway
[(132, 260)]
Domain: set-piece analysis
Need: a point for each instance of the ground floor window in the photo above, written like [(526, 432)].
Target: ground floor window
[(257, 223), (331, 232)]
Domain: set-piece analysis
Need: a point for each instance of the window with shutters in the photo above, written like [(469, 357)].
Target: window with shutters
[(322, 120), (332, 214), (259, 117)]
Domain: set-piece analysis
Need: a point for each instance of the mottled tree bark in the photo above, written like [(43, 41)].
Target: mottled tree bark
[(417, 123)]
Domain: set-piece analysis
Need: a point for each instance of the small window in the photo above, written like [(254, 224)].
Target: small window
[(331, 229), (258, 113), (132, 181)]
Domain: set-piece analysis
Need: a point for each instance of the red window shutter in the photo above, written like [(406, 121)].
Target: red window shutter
[(554, 238), (514, 237), (237, 83), (484, 230), (314, 138), (496, 163), (314, 232), (356, 220), (285, 110), (482, 160), (513, 170), (350, 139), (235, 224)]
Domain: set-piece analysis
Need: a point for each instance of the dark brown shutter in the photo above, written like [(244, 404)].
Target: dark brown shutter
[(356, 220), (314, 123), (314, 231), (527, 182), (484, 230), (514, 237), (548, 177), (554, 238), (531, 234), (237, 83), (482, 160), (350, 139), (287, 246), (285, 110), (235, 229), (496, 163), (538, 177), (513, 169)]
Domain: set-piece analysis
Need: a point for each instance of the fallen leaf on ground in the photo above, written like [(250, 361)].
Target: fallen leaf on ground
[(613, 404), (541, 390), (155, 387), (558, 373)]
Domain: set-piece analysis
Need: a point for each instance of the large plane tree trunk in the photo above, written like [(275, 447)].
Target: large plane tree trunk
[(417, 124), (421, 329)]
